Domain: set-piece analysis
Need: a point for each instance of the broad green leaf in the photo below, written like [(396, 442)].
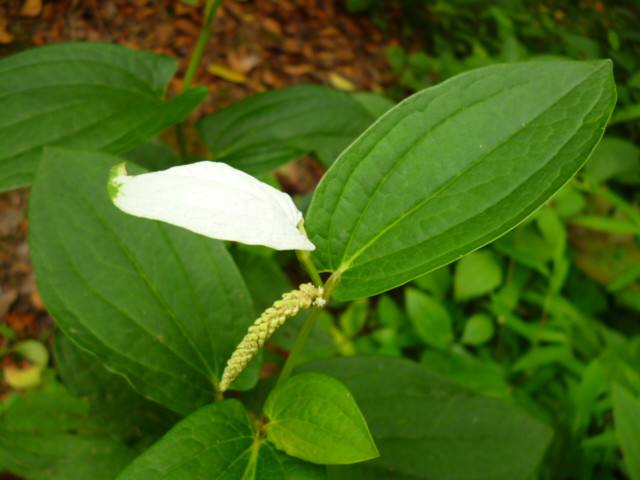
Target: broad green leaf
[(159, 305), (94, 96), (476, 275), (112, 400), (315, 418), (48, 435), (430, 318), (153, 155), (626, 412), (428, 428), (478, 330), (321, 343), (481, 376), (374, 103), (454, 167), (612, 158), (217, 442), (267, 130), (264, 278)]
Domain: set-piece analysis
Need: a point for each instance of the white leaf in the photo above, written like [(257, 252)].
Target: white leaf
[(212, 199)]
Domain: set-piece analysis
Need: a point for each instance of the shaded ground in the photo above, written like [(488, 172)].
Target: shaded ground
[(256, 46)]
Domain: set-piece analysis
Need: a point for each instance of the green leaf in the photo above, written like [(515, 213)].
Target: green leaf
[(315, 418), (527, 247), (48, 435), (218, 442), (428, 428), (374, 103), (354, 318), (612, 158), (481, 376), (160, 305), (552, 230), (436, 282), (569, 201), (454, 167), (430, 318), (264, 278), (321, 343), (262, 132), (626, 114), (94, 96), (476, 275), (478, 330), (388, 312), (153, 155), (626, 411), (606, 224), (112, 401)]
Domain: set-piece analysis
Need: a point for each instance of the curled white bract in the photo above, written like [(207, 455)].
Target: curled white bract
[(212, 199)]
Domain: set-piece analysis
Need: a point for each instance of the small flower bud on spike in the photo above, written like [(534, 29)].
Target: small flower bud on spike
[(306, 296)]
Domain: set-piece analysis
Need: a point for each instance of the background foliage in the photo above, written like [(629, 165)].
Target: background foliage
[(520, 360)]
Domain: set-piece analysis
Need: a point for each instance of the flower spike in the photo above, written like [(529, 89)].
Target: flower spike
[(306, 296)]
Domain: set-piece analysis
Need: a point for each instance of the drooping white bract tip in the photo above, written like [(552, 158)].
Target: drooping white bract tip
[(212, 199)]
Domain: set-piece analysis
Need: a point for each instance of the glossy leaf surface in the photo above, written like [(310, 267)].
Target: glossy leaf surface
[(267, 130), (428, 428), (315, 418), (48, 435), (160, 305), (454, 167), (217, 442), (112, 400), (82, 95)]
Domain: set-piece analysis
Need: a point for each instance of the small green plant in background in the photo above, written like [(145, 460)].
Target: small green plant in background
[(399, 366)]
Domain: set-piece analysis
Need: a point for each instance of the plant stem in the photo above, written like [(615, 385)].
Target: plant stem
[(298, 346), (305, 331), (305, 258), (210, 12)]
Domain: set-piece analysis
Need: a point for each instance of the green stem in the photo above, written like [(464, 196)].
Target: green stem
[(305, 331), (305, 258), (210, 12), (211, 9), (298, 346)]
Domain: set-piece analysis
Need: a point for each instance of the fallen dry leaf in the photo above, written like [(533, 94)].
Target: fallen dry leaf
[(341, 83), (226, 73), (5, 36), (31, 8), (242, 62), (296, 70)]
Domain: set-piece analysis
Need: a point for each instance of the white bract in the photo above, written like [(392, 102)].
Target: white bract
[(212, 199)]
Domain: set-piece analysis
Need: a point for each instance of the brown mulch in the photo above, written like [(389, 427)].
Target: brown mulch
[(256, 46)]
